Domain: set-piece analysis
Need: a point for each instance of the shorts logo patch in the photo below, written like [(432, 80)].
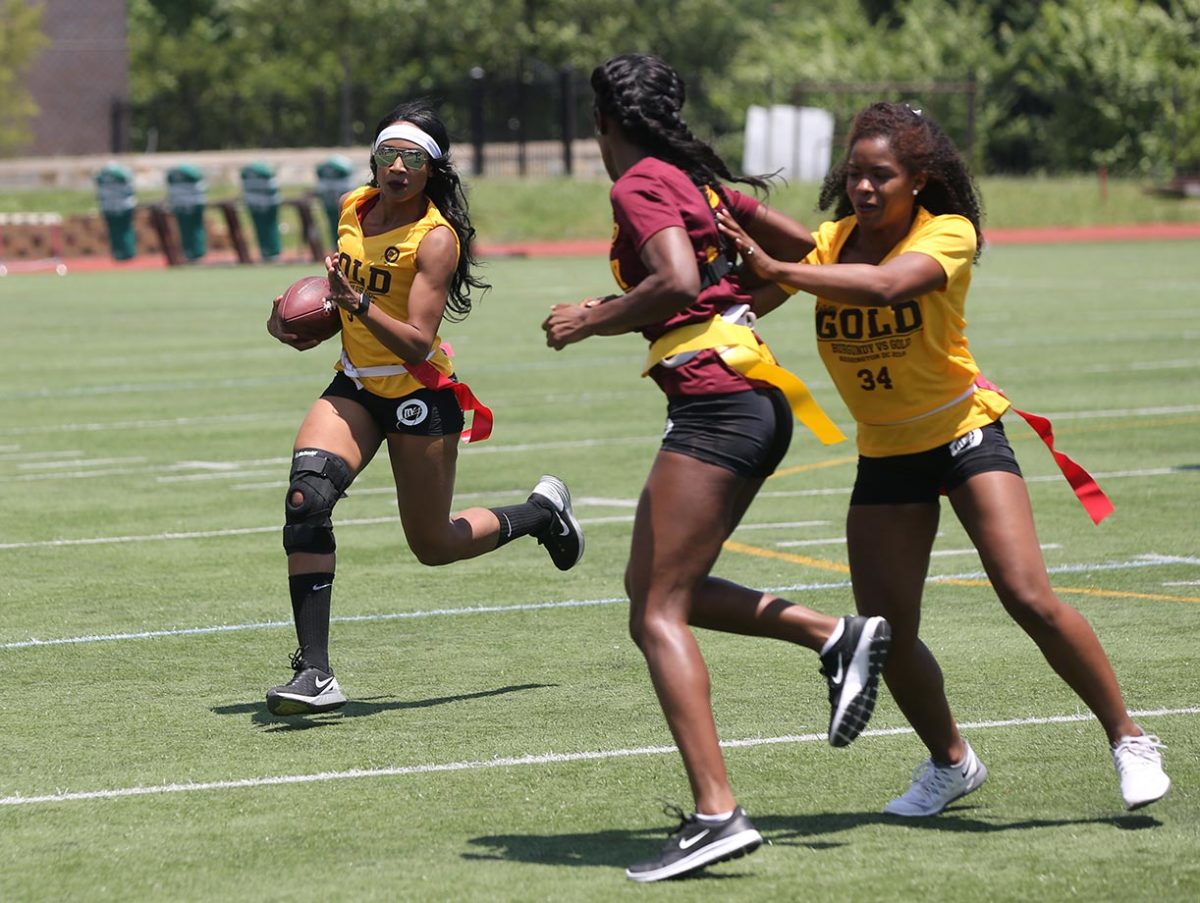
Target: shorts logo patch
[(966, 443), (670, 426), (411, 412)]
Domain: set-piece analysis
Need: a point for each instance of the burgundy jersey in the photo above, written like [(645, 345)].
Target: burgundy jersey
[(653, 195)]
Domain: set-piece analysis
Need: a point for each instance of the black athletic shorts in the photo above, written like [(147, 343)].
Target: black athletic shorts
[(922, 477), (746, 432), (425, 412)]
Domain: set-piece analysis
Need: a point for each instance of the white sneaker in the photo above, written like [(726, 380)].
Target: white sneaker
[(1139, 768), (935, 787)]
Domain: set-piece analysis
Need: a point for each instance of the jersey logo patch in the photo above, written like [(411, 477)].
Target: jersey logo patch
[(966, 443), (411, 412), (392, 254)]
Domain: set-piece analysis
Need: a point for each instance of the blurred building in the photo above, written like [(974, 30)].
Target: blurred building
[(80, 80)]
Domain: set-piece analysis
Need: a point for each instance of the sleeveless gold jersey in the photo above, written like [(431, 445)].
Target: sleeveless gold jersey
[(384, 266)]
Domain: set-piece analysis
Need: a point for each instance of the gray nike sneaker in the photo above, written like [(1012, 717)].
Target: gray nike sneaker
[(309, 692), (851, 669)]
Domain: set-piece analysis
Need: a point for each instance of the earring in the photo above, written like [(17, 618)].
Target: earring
[(914, 192)]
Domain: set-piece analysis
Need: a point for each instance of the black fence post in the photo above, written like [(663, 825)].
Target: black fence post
[(119, 122), (345, 99), (566, 82), (477, 124), (518, 122), (971, 94)]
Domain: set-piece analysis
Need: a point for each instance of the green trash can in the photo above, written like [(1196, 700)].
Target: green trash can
[(260, 191), (115, 196), (187, 193), (334, 178)]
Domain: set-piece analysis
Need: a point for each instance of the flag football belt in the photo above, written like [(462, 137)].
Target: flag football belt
[(1087, 490), (740, 348), (431, 377)]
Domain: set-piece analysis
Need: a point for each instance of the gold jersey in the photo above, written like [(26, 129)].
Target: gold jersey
[(384, 266), (905, 371)]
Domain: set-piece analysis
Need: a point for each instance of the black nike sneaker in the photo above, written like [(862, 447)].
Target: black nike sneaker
[(694, 845), (563, 539), (852, 668), (310, 691)]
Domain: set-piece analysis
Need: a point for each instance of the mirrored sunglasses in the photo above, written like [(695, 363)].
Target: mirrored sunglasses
[(413, 157)]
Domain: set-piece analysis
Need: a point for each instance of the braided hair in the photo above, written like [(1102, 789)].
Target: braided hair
[(921, 147), (445, 189), (644, 96)]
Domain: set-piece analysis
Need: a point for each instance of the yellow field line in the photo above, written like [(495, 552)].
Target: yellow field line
[(819, 563), (816, 465), (825, 565), (1084, 591)]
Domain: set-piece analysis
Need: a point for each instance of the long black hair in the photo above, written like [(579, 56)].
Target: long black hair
[(645, 97), (921, 147), (445, 189)]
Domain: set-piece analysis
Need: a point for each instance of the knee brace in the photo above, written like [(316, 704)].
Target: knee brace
[(318, 479)]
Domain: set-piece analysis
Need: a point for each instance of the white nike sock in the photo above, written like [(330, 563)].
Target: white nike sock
[(838, 630), (706, 819)]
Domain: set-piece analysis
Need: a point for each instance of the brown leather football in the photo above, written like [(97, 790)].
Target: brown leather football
[(306, 312)]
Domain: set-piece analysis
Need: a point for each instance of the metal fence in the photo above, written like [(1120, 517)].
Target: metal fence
[(953, 104), (529, 124)]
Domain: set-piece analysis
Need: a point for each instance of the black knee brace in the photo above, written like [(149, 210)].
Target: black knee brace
[(319, 478)]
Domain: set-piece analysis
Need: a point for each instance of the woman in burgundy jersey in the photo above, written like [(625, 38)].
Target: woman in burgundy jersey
[(725, 434)]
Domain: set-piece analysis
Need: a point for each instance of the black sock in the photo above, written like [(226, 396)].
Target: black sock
[(311, 599), (522, 520)]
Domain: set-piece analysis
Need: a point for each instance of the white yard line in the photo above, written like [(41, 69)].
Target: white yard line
[(344, 522), (122, 426), (784, 524), (1144, 561), (520, 761)]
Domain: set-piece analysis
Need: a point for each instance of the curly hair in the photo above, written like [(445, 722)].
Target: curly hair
[(645, 96), (920, 146), (445, 189)]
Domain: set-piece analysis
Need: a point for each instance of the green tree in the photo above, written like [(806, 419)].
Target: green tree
[(1101, 83), (1060, 85), (916, 42), (21, 40)]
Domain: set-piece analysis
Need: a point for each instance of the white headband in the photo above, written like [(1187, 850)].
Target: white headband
[(411, 133)]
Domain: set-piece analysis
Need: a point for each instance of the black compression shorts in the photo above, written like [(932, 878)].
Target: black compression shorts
[(922, 477), (425, 412), (745, 432)]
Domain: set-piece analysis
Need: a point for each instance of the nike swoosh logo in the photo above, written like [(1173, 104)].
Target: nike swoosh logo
[(688, 842), (322, 684), (564, 528), (840, 676), (321, 586)]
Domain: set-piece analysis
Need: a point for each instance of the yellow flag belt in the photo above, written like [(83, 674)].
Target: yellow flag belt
[(741, 350)]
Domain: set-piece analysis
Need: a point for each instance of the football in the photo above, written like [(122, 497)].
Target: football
[(305, 311)]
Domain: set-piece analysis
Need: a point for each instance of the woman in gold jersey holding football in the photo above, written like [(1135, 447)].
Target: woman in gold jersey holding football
[(403, 265), (891, 278)]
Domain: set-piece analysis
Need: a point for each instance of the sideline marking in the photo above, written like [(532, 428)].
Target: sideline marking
[(516, 761), (1143, 562)]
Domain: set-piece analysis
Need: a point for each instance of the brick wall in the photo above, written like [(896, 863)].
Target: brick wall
[(78, 75)]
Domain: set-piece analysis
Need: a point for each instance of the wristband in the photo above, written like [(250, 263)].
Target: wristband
[(364, 301)]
